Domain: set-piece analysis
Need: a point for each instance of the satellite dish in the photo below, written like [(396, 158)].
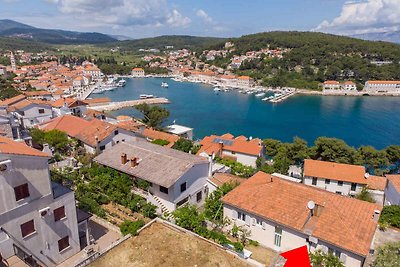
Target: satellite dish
[(311, 205), (366, 175)]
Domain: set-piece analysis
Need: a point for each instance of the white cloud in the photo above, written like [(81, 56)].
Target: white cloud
[(115, 13), (365, 16), (203, 15)]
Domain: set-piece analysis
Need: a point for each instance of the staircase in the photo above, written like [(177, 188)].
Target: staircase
[(165, 211)]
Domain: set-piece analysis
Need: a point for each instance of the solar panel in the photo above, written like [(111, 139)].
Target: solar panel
[(225, 142)]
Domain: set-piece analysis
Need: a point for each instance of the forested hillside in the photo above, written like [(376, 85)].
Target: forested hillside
[(315, 57)]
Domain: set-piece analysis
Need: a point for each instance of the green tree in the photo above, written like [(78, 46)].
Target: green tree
[(57, 139), (183, 144), (213, 207), (321, 259), (365, 195), (334, 150), (388, 255), (298, 150), (372, 158), (188, 217), (391, 215), (153, 116), (393, 153), (271, 146)]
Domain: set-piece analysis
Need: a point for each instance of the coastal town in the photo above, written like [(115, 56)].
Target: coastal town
[(56, 140), (172, 134)]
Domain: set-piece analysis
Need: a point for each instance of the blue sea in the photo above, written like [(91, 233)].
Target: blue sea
[(357, 120)]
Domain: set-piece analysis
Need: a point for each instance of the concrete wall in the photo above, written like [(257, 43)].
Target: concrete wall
[(43, 243), (392, 197), (264, 233), (245, 159), (333, 186)]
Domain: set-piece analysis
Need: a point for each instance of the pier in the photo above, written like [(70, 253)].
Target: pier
[(282, 97), (131, 103)]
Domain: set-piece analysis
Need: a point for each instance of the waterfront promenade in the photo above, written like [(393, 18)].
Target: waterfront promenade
[(131, 103)]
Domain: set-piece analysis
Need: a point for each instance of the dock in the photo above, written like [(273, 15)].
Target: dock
[(131, 103), (282, 97)]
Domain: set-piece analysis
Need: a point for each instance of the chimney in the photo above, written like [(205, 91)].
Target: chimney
[(134, 162), (220, 148), (317, 210), (210, 164), (124, 158), (376, 215)]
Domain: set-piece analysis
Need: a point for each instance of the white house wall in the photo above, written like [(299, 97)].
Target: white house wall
[(333, 186)]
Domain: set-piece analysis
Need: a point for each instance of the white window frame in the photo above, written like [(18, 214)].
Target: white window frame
[(278, 236)]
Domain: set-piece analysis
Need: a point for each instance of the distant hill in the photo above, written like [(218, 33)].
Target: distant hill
[(10, 28), (120, 37), (393, 37), (177, 41), (11, 43)]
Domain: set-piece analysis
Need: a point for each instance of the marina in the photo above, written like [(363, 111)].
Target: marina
[(373, 120)]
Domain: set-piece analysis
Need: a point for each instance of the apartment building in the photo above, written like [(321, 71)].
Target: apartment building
[(382, 86), (38, 218), (284, 215)]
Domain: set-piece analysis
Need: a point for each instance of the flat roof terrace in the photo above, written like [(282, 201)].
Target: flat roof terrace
[(163, 245)]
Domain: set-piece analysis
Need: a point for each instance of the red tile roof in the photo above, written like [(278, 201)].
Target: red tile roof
[(335, 171), (12, 100), (240, 145), (221, 178), (376, 182), (345, 222), (8, 146)]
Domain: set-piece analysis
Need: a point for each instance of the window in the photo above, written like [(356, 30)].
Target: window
[(115, 132), (183, 187), (278, 236), (338, 192), (233, 153), (314, 181), (183, 201), (199, 196), (340, 183), (259, 222), (353, 186), (21, 192), (335, 252), (59, 213), (41, 111), (327, 181), (28, 228), (163, 189), (63, 243), (241, 216), (102, 148)]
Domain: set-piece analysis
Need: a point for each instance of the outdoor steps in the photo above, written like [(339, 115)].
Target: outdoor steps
[(165, 211)]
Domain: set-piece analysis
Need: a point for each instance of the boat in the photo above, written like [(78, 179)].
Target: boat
[(216, 89), (121, 83), (260, 94), (242, 91), (146, 96), (164, 84), (265, 99)]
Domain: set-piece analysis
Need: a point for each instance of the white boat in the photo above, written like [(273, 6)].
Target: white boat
[(216, 89), (265, 99), (242, 92), (164, 84), (260, 94), (146, 96), (121, 83)]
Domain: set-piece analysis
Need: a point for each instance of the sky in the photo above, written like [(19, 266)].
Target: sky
[(221, 18)]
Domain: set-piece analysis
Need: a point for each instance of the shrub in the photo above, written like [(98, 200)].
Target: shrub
[(365, 195), (238, 247), (129, 227), (391, 215), (388, 255), (142, 184), (149, 210), (160, 142), (319, 258), (253, 243)]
